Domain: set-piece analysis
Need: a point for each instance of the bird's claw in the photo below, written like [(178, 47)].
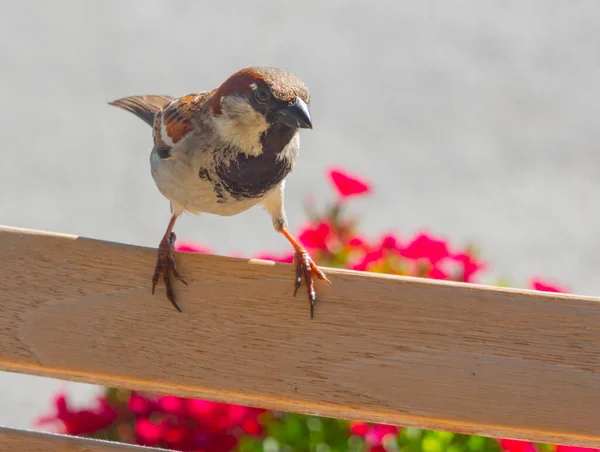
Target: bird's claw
[(306, 269), (165, 265)]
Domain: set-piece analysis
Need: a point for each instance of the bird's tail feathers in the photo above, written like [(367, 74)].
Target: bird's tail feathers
[(144, 107)]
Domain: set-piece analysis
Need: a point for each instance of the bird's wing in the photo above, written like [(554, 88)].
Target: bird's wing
[(144, 107), (175, 120)]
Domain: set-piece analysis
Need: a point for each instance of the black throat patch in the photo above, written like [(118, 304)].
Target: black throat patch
[(247, 177)]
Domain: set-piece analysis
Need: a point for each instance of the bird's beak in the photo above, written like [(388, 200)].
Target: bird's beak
[(295, 115)]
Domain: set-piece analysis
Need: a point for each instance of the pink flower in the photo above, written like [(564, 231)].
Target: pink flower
[(357, 242), (378, 433), (369, 259), (244, 417), (286, 258), (191, 247), (424, 246), (316, 237), (217, 442), (80, 422), (538, 284), (172, 405), (236, 415), (513, 445), (252, 427), (148, 433), (374, 434), (200, 410), (347, 185), (389, 242), (437, 273), (189, 424), (470, 266), (178, 437), (377, 448), (139, 405), (561, 448), (359, 428)]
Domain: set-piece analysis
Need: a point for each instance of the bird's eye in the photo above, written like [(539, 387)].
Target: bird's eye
[(261, 95)]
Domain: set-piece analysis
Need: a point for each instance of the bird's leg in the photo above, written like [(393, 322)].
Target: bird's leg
[(305, 269), (165, 263)]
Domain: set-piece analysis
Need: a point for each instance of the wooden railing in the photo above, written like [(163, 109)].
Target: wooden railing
[(412, 352)]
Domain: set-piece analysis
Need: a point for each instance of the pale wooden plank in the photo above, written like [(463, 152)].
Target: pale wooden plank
[(15, 440), (466, 358)]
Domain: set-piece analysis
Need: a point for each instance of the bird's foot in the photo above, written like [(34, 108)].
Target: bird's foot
[(165, 265), (306, 269)]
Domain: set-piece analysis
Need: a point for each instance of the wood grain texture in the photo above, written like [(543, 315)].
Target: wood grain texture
[(13, 440), (406, 351)]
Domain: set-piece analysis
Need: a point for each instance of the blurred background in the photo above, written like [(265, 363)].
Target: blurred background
[(478, 121)]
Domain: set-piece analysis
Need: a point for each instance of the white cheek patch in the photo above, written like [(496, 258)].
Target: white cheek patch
[(241, 125), (237, 108)]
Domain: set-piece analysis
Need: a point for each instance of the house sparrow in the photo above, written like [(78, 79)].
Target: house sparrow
[(225, 151)]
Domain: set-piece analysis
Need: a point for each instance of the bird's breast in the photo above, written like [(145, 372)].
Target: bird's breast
[(221, 181), (246, 177)]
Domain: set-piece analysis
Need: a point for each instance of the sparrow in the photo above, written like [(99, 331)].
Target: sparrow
[(224, 151)]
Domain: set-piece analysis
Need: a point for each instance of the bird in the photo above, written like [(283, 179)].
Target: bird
[(224, 151)]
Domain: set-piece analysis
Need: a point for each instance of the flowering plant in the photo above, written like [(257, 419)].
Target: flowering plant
[(184, 424)]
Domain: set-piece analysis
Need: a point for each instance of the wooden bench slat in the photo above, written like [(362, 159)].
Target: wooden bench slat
[(407, 351), (16, 440)]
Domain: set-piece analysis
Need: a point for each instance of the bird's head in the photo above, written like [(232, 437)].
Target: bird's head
[(254, 99)]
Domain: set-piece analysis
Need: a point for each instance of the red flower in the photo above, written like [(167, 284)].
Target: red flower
[(369, 258), (357, 242), (424, 246), (513, 445), (316, 237), (139, 405), (172, 405), (200, 410), (286, 258), (538, 284), (359, 428), (374, 434), (377, 448), (148, 433), (389, 242), (561, 448), (437, 273), (215, 442), (469, 264), (379, 432), (244, 417), (178, 437), (347, 185), (80, 422)]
